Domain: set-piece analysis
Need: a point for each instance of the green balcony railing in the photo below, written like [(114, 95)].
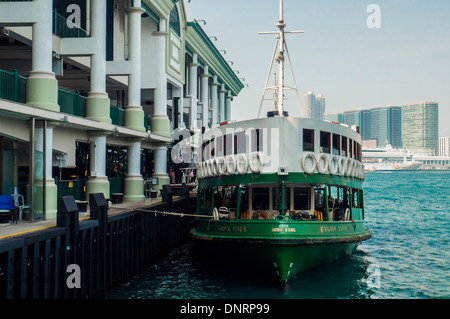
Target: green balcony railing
[(147, 118), (12, 86), (117, 115), (66, 29), (72, 103)]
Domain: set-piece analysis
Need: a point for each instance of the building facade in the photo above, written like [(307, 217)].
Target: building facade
[(420, 126), (444, 146), (314, 105), (91, 91)]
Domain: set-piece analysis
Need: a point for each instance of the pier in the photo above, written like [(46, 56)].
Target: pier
[(85, 255)]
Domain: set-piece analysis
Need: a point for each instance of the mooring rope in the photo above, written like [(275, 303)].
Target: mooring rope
[(163, 212)]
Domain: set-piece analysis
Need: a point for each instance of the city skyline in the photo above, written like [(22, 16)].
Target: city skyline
[(404, 61)]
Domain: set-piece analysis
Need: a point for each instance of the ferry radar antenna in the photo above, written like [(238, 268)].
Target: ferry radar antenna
[(279, 88)]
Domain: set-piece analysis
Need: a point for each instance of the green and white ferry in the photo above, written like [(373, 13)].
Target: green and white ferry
[(280, 194)]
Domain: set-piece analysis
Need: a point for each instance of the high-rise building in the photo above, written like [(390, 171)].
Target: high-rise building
[(315, 106), (444, 146), (386, 125), (420, 126)]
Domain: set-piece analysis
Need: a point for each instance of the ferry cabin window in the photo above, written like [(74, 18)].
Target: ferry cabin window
[(336, 144), (302, 198), (228, 144), (257, 140), (325, 141), (308, 140), (277, 198), (355, 151), (319, 199), (344, 146), (260, 198), (350, 148), (239, 142), (206, 198), (219, 146)]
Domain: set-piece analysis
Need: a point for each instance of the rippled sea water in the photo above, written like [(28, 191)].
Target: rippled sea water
[(407, 257)]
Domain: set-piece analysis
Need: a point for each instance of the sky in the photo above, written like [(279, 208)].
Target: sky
[(404, 61)]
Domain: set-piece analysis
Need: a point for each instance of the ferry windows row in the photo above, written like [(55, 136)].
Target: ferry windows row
[(331, 143), (343, 203), (233, 144)]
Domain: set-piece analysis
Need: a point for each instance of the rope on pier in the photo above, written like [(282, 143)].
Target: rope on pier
[(164, 213)]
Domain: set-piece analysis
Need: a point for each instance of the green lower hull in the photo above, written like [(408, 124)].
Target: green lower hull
[(280, 255)]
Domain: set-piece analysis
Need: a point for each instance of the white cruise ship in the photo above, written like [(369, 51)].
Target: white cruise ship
[(388, 159)]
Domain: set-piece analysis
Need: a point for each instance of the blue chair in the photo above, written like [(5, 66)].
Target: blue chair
[(6, 203)]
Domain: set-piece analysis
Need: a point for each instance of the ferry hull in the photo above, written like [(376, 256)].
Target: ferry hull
[(281, 258)]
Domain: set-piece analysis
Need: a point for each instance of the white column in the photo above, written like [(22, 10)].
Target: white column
[(222, 103), (193, 89), (214, 100), (42, 38), (98, 156), (204, 96), (228, 99), (134, 55), (98, 60)]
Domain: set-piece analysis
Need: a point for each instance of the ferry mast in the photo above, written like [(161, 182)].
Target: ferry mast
[(279, 88)]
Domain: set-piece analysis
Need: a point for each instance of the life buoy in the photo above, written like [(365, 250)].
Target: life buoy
[(322, 164), (221, 168), (210, 167), (255, 161), (348, 167), (241, 164), (342, 165), (308, 162), (333, 165), (215, 167), (216, 213), (230, 163), (260, 215)]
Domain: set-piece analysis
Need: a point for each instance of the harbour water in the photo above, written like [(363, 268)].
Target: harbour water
[(408, 256)]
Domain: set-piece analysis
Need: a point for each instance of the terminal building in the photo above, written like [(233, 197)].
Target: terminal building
[(91, 91)]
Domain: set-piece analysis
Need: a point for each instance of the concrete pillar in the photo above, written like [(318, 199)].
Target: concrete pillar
[(204, 95), (97, 102), (51, 191), (193, 89), (160, 122), (42, 86), (97, 181), (222, 92), (228, 99), (134, 183), (160, 168), (214, 100), (134, 114)]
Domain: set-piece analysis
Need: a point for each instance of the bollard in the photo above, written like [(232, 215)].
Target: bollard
[(167, 196), (67, 216), (99, 211), (184, 191)]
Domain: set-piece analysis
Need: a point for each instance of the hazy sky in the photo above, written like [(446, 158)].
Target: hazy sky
[(406, 60)]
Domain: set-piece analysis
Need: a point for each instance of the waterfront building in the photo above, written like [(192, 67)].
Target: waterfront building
[(444, 146), (420, 126), (385, 125), (315, 106), (90, 92)]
